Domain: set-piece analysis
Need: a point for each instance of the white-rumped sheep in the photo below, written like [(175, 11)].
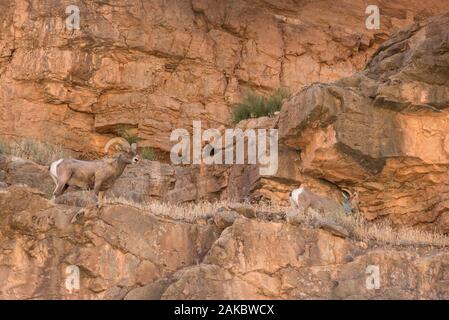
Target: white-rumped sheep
[(303, 198), (98, 175)]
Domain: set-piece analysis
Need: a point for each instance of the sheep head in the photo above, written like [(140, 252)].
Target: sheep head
[(352, 198), (128, 152)]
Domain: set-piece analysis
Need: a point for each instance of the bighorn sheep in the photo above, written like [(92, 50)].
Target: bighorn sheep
[(98, 175), (305, 199)]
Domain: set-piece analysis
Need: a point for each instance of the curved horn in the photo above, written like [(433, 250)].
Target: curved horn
[(349, 193), (122, 141)]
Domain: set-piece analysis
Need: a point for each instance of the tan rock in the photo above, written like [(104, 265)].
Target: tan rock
[(114, 247), (60, 86), (26, 172), (152, 291), (367, 134), (126, 253), (245, 210), (225, 218), (259, 260)]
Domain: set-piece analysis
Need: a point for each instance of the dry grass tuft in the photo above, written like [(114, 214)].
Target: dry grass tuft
[(188, 212), (357, 226), (39, 152), (380, 232)]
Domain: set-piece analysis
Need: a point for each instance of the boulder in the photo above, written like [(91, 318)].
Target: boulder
[(21, 171), (152, 291), (77, 198), (225, 218), (145, 181), (245, 210)]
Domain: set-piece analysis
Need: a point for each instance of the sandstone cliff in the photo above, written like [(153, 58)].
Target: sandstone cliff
[(157, 65), (369, 113), (126, 252), (383, 131)]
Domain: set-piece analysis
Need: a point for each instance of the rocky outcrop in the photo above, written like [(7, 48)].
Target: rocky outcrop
[(149, 180), (383, 131), (123, 252), (116, 247), (266, 260), (380, 132), (248, 184), (154, 66), (15, 170)]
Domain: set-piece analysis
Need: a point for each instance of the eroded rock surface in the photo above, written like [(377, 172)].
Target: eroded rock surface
[(156, 65), (116, 247), (126, 253), (383, 131), (141, 183), (267, 260)]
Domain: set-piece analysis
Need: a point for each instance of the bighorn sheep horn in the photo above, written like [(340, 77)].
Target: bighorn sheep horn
[(118, 140), (346, 192)]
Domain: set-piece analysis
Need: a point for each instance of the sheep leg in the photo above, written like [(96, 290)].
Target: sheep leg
[(97, 187), (53, 198), (293, 204), (306, 209), (305, 205)]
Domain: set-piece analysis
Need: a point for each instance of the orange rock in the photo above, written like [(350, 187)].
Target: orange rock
[(382, 131), (74, 88)]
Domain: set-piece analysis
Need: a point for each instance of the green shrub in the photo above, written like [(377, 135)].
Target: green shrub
[(123, 131), (148, 153), (254, 105)]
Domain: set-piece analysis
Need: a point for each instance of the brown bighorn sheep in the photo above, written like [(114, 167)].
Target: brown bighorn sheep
[(98, 175), (304, 198)]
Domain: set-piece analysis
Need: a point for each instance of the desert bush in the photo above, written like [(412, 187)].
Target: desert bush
[(254, 105), (123, 131), (39, 152), (148, 153)]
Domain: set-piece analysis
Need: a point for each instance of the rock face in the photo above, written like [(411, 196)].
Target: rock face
[(125, 253), (266, 260), (116, 248), (155, 65), (383, 131), (159, 65), (14, 170), (149, 180), (249, 184)]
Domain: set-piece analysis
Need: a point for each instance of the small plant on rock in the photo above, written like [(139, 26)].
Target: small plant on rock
[(124, 132), (254, 105), (148, 154)]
